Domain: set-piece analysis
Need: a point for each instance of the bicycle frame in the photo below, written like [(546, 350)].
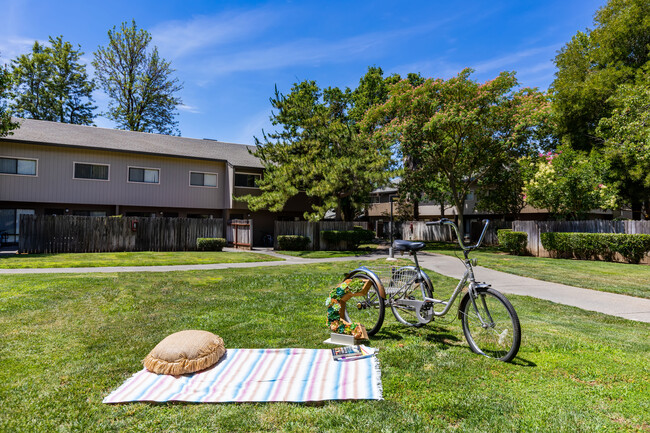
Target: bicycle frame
[(422, 277)]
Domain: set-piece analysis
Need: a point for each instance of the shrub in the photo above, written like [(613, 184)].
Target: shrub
[(353, 237), (210, 244), (604, 246), (293, 242), (513, 242), (557, 245), (632, 247)]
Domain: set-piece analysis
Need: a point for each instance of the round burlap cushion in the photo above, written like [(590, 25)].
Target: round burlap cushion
[(185, 352)]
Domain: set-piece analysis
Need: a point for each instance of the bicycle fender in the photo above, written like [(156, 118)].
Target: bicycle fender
[(427, 280), (371, 276)]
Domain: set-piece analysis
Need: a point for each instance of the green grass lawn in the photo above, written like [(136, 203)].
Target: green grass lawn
[(325, 254), (140, 258), (626, 279), (69, 340), (363, 250)]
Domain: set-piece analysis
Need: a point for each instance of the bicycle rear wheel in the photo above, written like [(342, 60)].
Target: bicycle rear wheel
[(492, 327), (367, 310)]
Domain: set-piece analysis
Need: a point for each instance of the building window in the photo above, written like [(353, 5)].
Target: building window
[(247, 180), (145, 175), (203, 179), (24, 167), (90, 171)]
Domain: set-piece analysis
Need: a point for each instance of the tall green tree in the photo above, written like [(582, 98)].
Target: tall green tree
[(6, 124), (32, 97), (593, 64), (626, 133), (318, 148), (500, 191), (51, 83), (141, 85), (69, 83), (460, 130), (592, 68)]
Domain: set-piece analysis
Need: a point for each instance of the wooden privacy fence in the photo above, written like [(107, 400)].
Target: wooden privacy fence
[(418, 230), (535, 228), (299, 228), (78, 234), (339, 226), (239, 233), (313, 230)]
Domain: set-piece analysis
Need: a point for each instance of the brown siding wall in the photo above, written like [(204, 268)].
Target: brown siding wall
[(54, 182)]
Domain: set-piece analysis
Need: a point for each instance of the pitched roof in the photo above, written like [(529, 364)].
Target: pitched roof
[(91, 137)]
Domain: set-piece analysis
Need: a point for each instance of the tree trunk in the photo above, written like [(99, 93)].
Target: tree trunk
[(416, 209), (637, 207), (338, 214), (461, 226), (461, 219)]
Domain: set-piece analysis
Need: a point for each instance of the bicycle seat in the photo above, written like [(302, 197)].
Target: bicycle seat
[(399, 245)]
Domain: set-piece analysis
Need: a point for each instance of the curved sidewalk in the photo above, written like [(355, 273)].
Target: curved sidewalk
[(628, 307)]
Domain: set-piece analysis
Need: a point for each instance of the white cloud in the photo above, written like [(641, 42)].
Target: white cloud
[(176, 39), (253, 128), (538, 74), (311, 51), (209, 46), (11, 48), (509, 60), (188, 108), (541, 67)]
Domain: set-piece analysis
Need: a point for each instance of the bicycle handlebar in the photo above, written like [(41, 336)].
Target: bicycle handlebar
[(442, 221)]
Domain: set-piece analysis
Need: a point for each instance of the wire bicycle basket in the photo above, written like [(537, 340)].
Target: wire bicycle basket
[(393, 278)]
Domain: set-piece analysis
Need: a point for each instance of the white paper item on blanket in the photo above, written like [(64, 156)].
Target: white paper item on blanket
[(261, 375)]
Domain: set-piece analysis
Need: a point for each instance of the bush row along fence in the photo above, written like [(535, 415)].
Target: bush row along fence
[(79, 234), (534, 229), (418, 230), (314, 231)]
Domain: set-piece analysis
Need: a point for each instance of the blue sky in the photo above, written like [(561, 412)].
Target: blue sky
[(230, 55)]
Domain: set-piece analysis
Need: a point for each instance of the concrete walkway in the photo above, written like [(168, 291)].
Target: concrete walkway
[(628, 307)]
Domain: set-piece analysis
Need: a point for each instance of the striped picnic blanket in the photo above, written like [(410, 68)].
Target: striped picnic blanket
[(261, 375)]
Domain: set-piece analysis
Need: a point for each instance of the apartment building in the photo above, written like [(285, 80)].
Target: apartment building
[(61, 169)]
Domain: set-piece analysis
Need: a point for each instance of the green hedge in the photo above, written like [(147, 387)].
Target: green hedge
[(353, 237), (210, 244), (513, 242), (596, 246), (293, 242)]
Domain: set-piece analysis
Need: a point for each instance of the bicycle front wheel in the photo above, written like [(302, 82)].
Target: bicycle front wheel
[(367, 310), (491, 325)]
